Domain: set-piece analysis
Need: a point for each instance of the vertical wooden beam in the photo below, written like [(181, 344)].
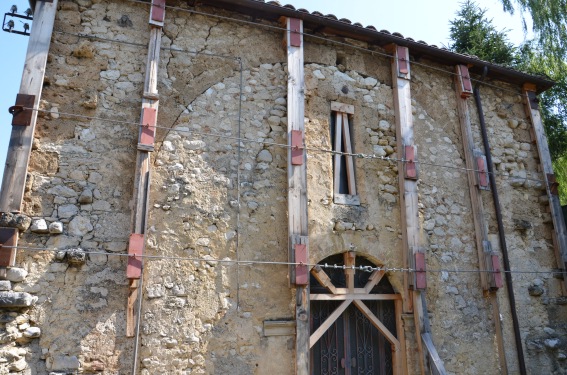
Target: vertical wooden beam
[(21, 139), (484, 249), (409, 212), (401, 336), (532, 110), (480, 225), (150, 103), (297, 182), (405, 137)]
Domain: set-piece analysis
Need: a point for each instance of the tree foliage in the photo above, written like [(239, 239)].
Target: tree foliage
[(549, 19), (472, 33)]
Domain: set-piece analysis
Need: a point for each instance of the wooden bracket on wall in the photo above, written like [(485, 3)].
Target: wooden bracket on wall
[(410, 166), (497, 271), (8, 240), (157, 13), (135, 252), (464, 79), (148, 129), (401, 58), (301, 270), (22, 111), (297, 150), (481, 171), (420, 274)]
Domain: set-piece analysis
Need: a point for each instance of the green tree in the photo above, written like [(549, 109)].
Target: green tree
[(472, 33)]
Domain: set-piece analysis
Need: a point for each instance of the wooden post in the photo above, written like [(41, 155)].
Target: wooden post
[(19, 149), (408, 187), (480, 225), (484, 250), (560, 237), (297, 184), (148, 118), (409, 211), (21, 139)]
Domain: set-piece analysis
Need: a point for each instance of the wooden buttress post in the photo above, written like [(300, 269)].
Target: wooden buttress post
[(463, 85), (146, 137), (297, 188), (21, 138)]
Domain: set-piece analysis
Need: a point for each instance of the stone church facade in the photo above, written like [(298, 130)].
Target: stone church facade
[(241, 187)]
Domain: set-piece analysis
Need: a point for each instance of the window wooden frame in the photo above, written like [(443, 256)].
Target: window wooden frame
[(342, 143), (356, 296)]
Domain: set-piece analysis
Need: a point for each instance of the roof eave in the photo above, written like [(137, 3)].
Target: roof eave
[(343, 29)]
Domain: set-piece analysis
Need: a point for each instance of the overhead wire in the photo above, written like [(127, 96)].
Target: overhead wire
[(285, 263), (279, 28), (285, 145)]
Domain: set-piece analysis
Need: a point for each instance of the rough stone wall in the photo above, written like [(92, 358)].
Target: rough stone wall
[(528, 228), (207, 202)]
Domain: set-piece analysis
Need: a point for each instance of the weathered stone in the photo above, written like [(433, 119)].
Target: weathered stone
[(264, 156), (39, 226), (63, 191), (56, 227), (76, 256), (551, 343), (18, 366), (32, 332), (5, 285), (64, 362), (80, 226), (19, 221), (535, 290), (67, 211), (16, 275), (16, 299), (86, 197)]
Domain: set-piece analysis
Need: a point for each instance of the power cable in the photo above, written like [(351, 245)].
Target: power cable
[(285, 145), (284, 263), (279, 28)]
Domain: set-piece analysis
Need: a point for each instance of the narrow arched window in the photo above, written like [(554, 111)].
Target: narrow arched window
[(355, 319)]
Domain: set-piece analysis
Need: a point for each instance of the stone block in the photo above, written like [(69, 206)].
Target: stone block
[(16, 274), (76, 256), (56, 227), (39, 226), (16, 299), (32, 332), (5, 285), (65, 362)]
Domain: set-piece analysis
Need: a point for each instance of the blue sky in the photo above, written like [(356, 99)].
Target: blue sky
[(419, 19)]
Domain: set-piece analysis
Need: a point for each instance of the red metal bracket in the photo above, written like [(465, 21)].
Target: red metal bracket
[(296, 147), (8, 237), (135, 251), (403, 61), (301, 272), (497, 272), (148, 128), (157, 12), (481, 172), (553, 184), (21, 113), (465, 84), (420, 276), (410, 165), (295, 32)]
